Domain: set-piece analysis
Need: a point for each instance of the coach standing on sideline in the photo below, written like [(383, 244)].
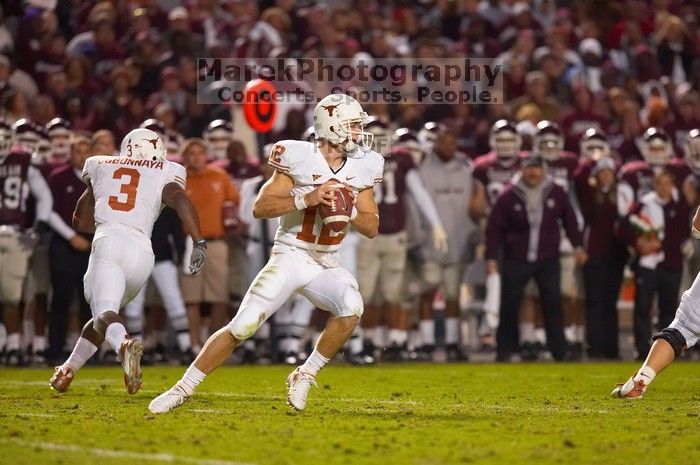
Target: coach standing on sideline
[(208, 188), (524, 227), (69, 251)]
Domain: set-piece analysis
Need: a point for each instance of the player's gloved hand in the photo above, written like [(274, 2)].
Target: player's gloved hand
[(440, 239), (198, 256)]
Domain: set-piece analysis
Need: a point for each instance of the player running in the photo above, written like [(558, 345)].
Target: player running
[(684, 330), (304, 257), (123, 199)]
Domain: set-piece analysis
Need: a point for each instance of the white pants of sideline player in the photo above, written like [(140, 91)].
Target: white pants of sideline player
[(290, 270), (687, 320), (120, 264), (165, 278)]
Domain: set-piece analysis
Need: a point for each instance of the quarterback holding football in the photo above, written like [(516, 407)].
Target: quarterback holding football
[(318, 190)]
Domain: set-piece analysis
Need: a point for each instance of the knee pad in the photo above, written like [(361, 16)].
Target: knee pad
[(673, 337), (351, 302), (250, 317)]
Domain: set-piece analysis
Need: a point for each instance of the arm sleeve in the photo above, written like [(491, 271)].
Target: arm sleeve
[(570, 221), (60, 226), (176, 173), (420, 195), (281, 157), (41, 192), (245, 211), (86, 175)]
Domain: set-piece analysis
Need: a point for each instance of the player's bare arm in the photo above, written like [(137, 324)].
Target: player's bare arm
[(274, 199), (477, 205), (176, 198), (84, 214), (367, 220)]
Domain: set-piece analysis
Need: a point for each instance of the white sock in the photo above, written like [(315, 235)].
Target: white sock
[(451, 330), (398, 336), (12, 341), (580, 333), (3, 336), (527, 332), (115, 336), (82, 352), (413, 339), (183, 341), (356, 341), (645, 373), (314, 363), (381, 336), (570, 333), (39, 344), (541, 336), (191, 379), (427, 332)]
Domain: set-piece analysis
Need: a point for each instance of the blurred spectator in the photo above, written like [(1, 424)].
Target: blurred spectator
[(208, 188), (103, 143), (14, 106), (538, 96), (523, 228), (69, 250)]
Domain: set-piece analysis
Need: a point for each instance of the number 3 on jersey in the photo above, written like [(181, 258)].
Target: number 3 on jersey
[(126, 200)]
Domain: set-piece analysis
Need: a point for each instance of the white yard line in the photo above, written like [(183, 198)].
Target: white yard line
[(114, 453)]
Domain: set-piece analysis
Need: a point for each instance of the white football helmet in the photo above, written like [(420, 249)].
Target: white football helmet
[(60, 132), (548, 140), (656, 147), (218, 135), (692, 150), (594, 145), (143, 144), (504, 139), (334, 117)]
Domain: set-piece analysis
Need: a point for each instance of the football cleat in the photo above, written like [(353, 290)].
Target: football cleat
[(299, 383), (630, 390), (169, 400), (130, 353), (61, 379)]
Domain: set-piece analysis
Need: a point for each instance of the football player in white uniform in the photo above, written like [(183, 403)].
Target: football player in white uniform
[(123, 199), (304, 257)]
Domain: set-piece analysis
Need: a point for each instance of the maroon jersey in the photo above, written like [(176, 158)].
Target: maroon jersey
[(390, 195), (495, 173), (563, 169), (14, 189), (639, 175)]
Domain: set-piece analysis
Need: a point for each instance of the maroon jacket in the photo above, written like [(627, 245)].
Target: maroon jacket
[(509, 228), (66, 188)]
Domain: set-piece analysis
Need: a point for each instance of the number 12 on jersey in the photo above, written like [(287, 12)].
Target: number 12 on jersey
[(307, 230)]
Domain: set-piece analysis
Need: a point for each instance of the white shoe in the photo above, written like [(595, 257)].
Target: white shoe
[(630, 390), (169, 400), (131, 352), (299, 384)]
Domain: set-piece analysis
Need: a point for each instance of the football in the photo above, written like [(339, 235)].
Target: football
[(337, 215)]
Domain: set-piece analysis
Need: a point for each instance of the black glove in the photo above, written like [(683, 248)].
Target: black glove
[(198, 256)]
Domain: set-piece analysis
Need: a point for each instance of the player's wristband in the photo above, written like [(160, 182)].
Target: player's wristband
[(299, 202), (695, 232)]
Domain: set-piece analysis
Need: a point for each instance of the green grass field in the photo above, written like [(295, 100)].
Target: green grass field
[(411, 414)]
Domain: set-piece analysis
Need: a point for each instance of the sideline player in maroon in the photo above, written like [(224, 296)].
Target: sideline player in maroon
[(17, 176), (382, 261)]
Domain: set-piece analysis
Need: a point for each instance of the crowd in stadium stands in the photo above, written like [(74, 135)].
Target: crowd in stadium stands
[(508, 226)]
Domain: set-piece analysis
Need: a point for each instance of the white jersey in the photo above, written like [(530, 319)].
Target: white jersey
[(305, 164), (129, 192)]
